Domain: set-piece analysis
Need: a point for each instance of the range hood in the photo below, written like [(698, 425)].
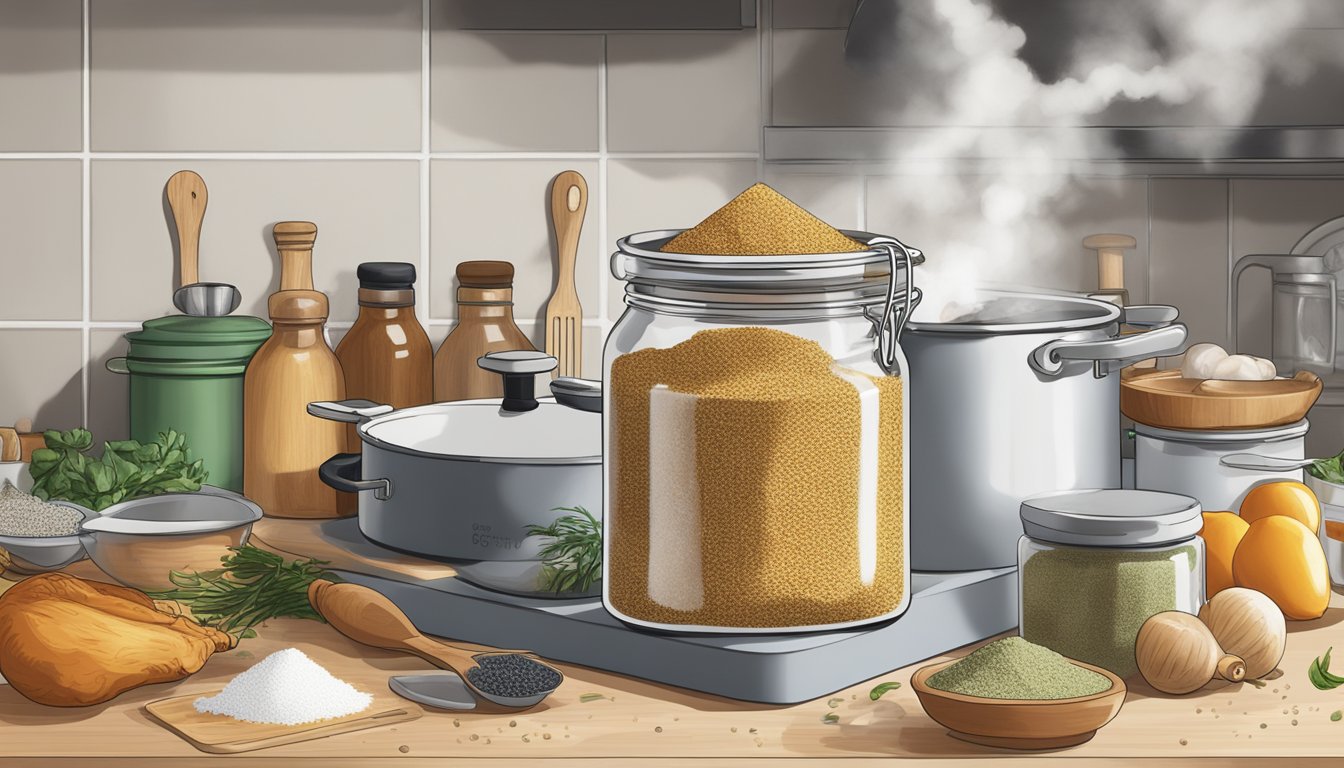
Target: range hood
[(1288, 127)]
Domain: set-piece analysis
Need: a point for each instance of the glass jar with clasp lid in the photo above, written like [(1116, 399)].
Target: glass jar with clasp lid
[(755, 438)]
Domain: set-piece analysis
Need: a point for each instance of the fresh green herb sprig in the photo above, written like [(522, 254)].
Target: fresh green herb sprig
[(572, 562), (1330, 470), (882, 688), (127, 469), (1319, 673), (252, 586)]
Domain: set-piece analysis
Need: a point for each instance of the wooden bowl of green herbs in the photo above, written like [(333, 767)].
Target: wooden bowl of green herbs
[(1025, 724)]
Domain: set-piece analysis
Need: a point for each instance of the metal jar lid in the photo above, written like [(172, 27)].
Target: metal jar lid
[(1111, 518), (1199, 436)]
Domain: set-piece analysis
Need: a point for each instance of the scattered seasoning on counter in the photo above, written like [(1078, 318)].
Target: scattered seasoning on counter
[(23, 514), (1012, 668), (881, 689), (833, 703), (285, 688), (587, 697), (830, 718), (512, 674), (1336, 716)]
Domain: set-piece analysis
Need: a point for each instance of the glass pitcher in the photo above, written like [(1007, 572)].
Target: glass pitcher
[(1303, 311)]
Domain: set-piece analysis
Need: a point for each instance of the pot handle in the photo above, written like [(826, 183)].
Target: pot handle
[(118, 365), (1149, 315), (342, 470), (582, 394), (1256, 463), (348, 411), (1107, 355)]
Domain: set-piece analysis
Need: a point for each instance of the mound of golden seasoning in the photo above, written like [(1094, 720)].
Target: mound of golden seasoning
[(1012, 668), (761, 221), (734, 453)]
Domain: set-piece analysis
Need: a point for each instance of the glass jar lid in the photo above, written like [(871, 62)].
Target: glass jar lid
[(1111, 518)]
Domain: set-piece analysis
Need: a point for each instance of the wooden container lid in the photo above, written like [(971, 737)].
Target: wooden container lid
[(298, 306), (485, 274)]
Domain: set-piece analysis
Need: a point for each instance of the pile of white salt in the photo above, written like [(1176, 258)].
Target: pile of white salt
[(285, 688)]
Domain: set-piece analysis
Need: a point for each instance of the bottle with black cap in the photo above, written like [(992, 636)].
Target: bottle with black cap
[(386, 355), (484, 324)]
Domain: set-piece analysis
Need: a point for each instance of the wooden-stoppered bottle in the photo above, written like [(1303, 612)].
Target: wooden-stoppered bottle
[(386, 355), (283, 445), (484, 324)]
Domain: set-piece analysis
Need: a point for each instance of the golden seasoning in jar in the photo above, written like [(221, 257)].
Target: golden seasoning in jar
[(756, 484)]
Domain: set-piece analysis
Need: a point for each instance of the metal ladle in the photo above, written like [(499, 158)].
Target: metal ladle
[(187, 197)]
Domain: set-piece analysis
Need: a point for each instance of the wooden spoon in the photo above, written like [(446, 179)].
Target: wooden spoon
[(367, 616), (187, 197)]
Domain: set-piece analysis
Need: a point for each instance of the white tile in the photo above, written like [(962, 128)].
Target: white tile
[(1269, 216), (830, 195), (683, 92), (40, 252), (41, 63), (666, 194), (500, 209), (1188, 261), (364, 211), (514, 92), (256, 75), (945, 216), (47, 384), (109, 393)]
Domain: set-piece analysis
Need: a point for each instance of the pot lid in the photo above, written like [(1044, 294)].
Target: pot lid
[(229, 341), (188, 329), (1111, 518), (481, 430), (1020, 312)]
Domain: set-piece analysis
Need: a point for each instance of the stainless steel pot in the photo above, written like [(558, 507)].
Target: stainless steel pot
[(1019, 399), (463, 480)]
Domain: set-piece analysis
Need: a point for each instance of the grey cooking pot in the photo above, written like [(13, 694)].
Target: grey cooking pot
[(463, 480), (1020, 397)]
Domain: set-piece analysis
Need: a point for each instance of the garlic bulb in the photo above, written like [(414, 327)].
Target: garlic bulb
[(1178, 654), (1267, 369), (1248, 624), (1200, 360), (1238, 368)]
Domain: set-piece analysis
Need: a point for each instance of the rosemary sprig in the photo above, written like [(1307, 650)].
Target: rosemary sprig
[(252, 586), (573, 560)]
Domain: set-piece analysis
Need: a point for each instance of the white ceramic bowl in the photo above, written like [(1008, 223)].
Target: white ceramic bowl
[(30, 555), (16, 472)]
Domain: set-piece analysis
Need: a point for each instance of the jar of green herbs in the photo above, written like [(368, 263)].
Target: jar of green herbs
[(1095, 564)]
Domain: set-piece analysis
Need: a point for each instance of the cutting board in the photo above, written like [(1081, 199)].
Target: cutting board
[(224, 735)]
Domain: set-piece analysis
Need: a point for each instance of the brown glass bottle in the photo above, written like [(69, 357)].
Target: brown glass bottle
[(484, 324), (386, 355)]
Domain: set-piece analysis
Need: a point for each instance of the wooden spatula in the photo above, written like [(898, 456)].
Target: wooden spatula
[(564, 315)]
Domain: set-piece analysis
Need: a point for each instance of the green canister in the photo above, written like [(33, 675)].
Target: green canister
[(187, 375)]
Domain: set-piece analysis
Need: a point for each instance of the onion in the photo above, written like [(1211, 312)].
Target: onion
[(1178, 654), (1248, 624)]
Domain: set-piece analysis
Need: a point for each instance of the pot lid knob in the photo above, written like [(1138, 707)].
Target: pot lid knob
[(519, 369)]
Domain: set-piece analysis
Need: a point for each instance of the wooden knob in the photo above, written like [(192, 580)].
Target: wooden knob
[(298, 306), (1110, 250), (294, 240), (485, 274)]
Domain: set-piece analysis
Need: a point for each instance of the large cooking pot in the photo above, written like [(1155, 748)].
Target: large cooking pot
[(1020, 397), (463, 480)]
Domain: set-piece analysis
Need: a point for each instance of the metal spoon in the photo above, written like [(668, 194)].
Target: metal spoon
[(367, 616), (1257, 463), (187, 197)]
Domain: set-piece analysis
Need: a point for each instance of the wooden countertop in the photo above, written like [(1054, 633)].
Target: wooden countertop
[(659, 725)]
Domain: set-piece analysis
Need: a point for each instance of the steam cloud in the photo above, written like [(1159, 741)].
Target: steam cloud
[(1200, 61)]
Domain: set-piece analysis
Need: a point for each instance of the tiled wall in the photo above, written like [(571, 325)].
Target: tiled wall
[(405, 139)]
